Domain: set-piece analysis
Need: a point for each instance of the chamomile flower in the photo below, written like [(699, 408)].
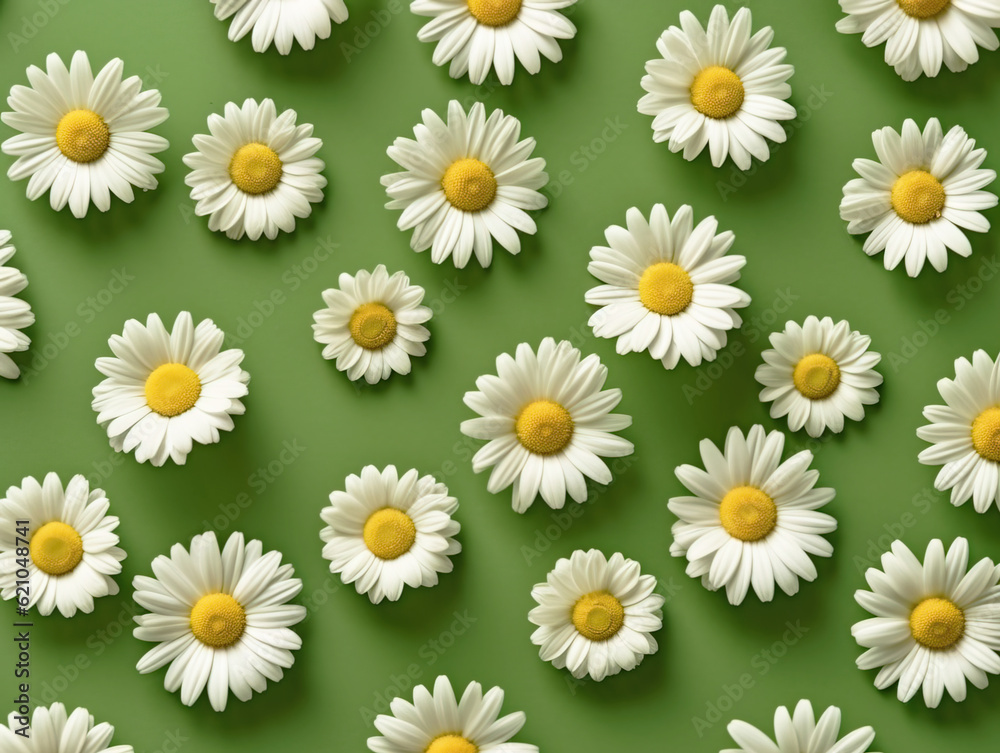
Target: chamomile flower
[(222, 619), (52, 730), (916, 200), (466, 183), (752, 519), (281, 21), (718, 86), (84, 137), (257, 171), (936, 623), (818, 373), (15, 314), (800, 733), (166, 390), (63, 539), (667, 286), (372, 324), (548, 422)]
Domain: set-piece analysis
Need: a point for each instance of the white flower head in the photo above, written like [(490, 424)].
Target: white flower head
[(15, 314), (52, 730), (281, 21), (800, 732)]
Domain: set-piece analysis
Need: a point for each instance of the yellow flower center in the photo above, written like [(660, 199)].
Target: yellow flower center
[(665, 289), (494, 12), (923, 8), (451, 744), (747, 513), (918, 197), (172, 389), (373, 326), (986, 434), (469, 185), (717, 92), (255, 169), (56, 548), (937, 623), (218, 620), (598, 616), (816, 376), (544, 427), (82, 135), (389, 533)]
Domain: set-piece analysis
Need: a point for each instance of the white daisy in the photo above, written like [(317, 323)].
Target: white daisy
[(466, 182), (84, 137), (753, 519), (922, 34), (52, 730), (800, 733), (477, 35), (548, 422), (15, 314), (281, 21), (818, 373), (166, 390), (436, 722), (62, 542), (915, 199), (596, 615), (221, 619), (372, 324), (256, 172), (720, 87), (936, 623), (667, 286)]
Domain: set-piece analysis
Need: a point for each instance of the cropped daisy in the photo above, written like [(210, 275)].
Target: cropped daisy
[(718, 86), (936, 623), (548, 422), (800, 733), (256, 172), (667, 286), (920, 35), (166, 390), (818, 373), (63, 539), (477, 35), (52, 730), (916, 200), (387, 531), (372, 324), (221, 619), (465, 183), (83, 137), (15, 314), (596, 615), (281, 21), (753, 519), (437, 722)]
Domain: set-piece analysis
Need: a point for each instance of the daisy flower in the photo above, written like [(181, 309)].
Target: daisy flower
[(548, 422), (62, 541), (936, 623), (372, 324), (753, 519), (15, 314), (387, 531), (818, 373), (281, 21), (221, 619), (720, 87), (465, 183), (55, 731), (800, 733), (256, 172), (920, 35), (918, 197), (477, 35), (436, 722), (666, 286), (596, 615), (166, 390)]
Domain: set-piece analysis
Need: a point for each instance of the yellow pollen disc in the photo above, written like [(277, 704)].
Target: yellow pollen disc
[(469, 185), (255, 169), (665, 289), (816, 376), (717, 92), (747, 513), (918, 197), (986, 434), (218, 620), (494, 12), (172, 389), (937, 623), (389, 533), (923, 8), (451, 744), (56, 548), (598, 616), (373, 326), (544, 427), (82, 135)]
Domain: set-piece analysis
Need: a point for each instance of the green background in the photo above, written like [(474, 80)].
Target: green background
[(786, 222)]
